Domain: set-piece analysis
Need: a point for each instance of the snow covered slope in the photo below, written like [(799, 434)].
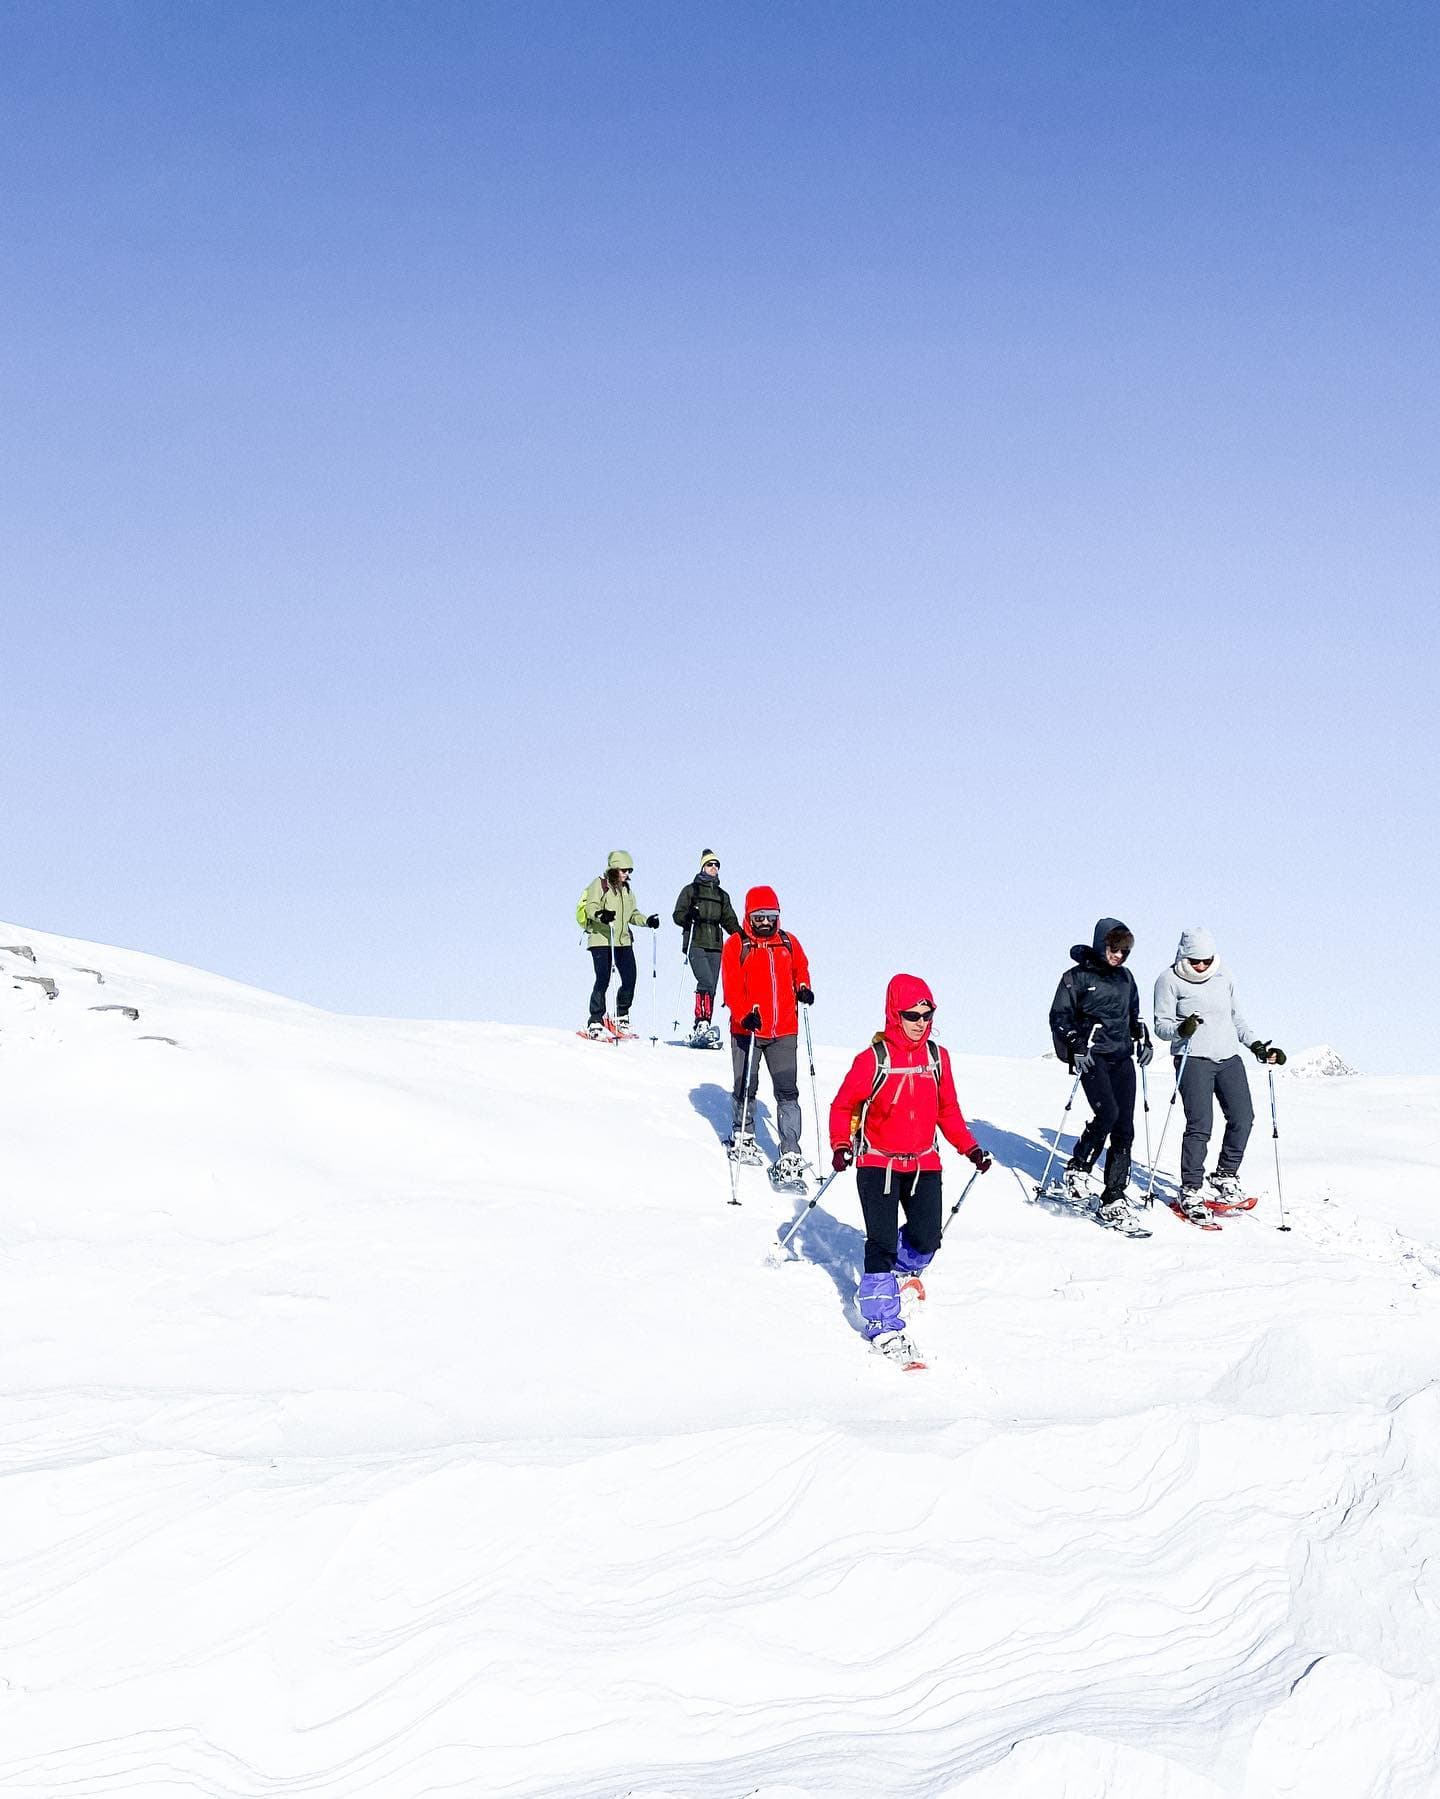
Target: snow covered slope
[(392, 1409)]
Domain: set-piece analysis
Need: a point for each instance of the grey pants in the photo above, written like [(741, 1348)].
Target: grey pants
[(781, 1056), (705, 966), (1206, 1081)]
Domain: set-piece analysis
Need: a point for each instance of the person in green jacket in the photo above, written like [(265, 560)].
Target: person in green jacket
[(705, 916), (611, 912)]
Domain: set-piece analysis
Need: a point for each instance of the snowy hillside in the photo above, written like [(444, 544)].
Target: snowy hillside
[(392, 1409)]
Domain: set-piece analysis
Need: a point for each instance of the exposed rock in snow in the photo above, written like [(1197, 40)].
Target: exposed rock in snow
[(1319, 1061)]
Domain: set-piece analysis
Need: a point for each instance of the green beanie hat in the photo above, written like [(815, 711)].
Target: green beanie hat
[(621, 859)]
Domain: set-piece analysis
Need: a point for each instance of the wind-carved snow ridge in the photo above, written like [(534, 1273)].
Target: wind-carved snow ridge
[(394, 1408), (1321, 1061)]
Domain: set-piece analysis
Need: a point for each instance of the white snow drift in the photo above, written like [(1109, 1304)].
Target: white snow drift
[(392, 1409)]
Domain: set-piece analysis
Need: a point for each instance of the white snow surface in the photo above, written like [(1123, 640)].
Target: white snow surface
[(398, 1409)]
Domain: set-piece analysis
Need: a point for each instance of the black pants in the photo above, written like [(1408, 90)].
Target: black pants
[(1110, 1088), (625, 962), (919, 1194), (1206, 1081)]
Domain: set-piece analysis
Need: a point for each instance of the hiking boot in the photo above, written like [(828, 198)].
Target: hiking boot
[(596, 1031), (896, 1347), (1192, 1204), (1076, 1185), (1225, 1189), (790, 1166), (622, 1026), (742, 1147)]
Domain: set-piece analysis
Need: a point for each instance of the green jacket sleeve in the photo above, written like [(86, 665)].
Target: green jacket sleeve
[(728, 919), (681, 914)]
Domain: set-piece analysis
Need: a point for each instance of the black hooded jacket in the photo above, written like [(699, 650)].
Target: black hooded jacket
[(1094, 993)]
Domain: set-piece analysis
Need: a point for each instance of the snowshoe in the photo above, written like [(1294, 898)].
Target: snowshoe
[(1191, 1207), (912, 1292), (787, 1174), (1116, 1215), (898, 1348), (742, 1147), (1071, 1187), (596, 1032), (1227, 1195), (621, 1027)]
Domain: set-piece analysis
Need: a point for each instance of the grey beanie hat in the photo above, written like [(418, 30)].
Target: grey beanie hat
[(1196, 944)]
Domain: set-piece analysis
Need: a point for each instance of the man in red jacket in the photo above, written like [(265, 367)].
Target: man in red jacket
[(893, 1107), (766, 978)]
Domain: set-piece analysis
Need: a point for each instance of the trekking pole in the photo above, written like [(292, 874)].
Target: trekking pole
[(1145, 1096), (1164, 1129), (1055, 1146), (615, 1034), (814, 1092), (800, 1217), (1275, 1134), (744, 1120), (654, 988), (956, 1207)]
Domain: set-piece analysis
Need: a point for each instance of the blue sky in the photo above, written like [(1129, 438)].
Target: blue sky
[(973, 465)]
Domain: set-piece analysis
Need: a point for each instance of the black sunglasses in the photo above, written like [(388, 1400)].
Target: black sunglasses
[(918, 1017)]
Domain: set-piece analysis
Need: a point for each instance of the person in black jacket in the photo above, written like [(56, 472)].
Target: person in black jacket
[(1096, 1028), (705, 915)]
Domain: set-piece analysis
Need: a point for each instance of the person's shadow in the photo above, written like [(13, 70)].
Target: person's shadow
[(1027, 1159), (822, 1239), (715, 1106)]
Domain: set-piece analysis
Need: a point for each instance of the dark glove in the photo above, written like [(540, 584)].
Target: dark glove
[(652, 923), (1144, 1048), (805, 996), (1083, 1061), (1267, 1052), (980, 1157), (606, 915), (842, 1158), (1188, 1026), (751, 1020)]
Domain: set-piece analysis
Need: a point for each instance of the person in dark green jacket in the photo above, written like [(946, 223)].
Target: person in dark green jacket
[(705, 916), (611, 911)]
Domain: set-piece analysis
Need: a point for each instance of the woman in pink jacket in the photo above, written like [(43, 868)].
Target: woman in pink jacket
[(892, 1109)]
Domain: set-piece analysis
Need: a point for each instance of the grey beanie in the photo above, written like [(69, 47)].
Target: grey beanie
[(1196, 944)]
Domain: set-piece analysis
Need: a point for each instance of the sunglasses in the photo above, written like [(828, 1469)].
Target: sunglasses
[(714, 865), (1201, 961), (918, 1016)]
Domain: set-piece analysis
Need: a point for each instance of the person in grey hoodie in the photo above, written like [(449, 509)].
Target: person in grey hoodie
[(1195, 1004)]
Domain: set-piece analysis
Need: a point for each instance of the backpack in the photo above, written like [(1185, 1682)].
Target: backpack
[(881, 1050), (746, 946), (580, 917)]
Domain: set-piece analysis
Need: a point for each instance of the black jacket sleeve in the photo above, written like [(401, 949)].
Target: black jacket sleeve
[(1065, 1018)]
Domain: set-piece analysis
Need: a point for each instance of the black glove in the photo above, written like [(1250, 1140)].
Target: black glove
[(805, 996), (842, 1158), (1267, 1052), (606, 915), (980, 1157), (652, 923), (751, 1020), (1188, 1026), (1144, 1048)]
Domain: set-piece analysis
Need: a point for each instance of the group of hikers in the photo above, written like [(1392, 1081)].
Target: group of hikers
[(898, 1098)]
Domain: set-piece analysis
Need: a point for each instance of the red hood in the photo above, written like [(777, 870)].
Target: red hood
[(904, 992), (760, 899)]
